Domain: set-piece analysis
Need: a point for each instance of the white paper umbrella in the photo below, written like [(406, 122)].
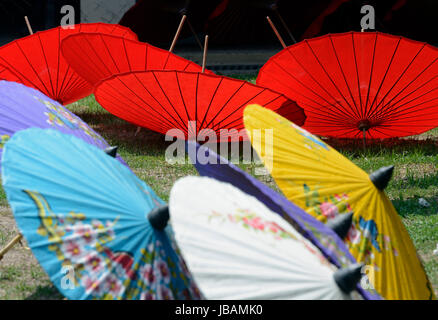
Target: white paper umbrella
[(237, 248)]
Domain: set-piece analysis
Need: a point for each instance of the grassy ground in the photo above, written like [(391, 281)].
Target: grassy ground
[(416, 175)]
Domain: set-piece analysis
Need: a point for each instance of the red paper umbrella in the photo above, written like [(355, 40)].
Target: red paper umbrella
[(6, 74), (96, 57), (163, 100), (37, 62), (355, 83)]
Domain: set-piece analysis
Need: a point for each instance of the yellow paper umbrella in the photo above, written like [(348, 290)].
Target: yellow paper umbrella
[(328, 186)]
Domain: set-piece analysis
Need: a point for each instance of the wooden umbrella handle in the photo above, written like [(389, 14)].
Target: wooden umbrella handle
[(276, 32), (28, 25), (10, 245), (204, 58), (175, 39)]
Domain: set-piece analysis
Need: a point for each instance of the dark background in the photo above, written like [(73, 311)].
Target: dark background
[(236, 23)]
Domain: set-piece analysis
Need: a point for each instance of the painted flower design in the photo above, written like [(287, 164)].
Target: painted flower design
[(113, 286), (72, 250), (57, 114), (147, 274), (91, 285), (164, 293), (329, 210), (354, 235), (250, 220), (344, 197), (255, 222), (162, 271), (93, 263), (3, 139), (194, 291), (105, 272), (85, 233), (147, 296)]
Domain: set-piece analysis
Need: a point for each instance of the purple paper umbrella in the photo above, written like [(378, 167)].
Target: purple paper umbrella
[(210, 164), (22, 107)]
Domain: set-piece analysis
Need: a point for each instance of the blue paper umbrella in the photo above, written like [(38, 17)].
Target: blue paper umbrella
[(22, 107), (327, 240), (97, 230)]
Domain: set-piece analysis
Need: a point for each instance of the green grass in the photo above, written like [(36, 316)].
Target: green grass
[(415, 176)]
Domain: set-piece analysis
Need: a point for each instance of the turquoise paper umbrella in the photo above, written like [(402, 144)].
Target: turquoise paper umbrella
[(97, 230)]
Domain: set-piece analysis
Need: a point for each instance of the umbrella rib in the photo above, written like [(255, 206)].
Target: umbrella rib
[(397, 81), (246, 103), (67, 89), (415, 106), (33, 69), (357, 76), (381, 132), (316, 82), (239, 107), (413, 91), (334, 116), (390, 111), (59, 61), (229, 99), (419, 87), (183, 101), (211, 101), (167, 59), (137, 114), (196, 101), (372, 109), (329, 77), (167, 98), (146, 56), (111, 56), (345, 78), (47, 65), (176, 121), (63, 88), (371, 77), (315, 102), (321, 118), (126, 55), (101, 74)]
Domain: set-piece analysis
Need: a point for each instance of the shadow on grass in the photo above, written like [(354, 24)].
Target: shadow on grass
[(45, 293), (411, 181), (428, 146), (122, 133), (411, 206), (146, 142)]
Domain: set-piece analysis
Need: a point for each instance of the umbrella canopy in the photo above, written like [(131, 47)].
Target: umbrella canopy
[(327, 240), (6, 74), (359, 83), (37, 61), (238, 249), (97, 230), (96, 57), (189, 101), (22, 107), (327, 185)]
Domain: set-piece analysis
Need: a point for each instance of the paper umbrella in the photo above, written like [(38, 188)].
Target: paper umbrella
[(237, 248), (359, 84), (97, 230), (196, 104), (325, 184), (327, 238), (96, 57), (37, 62), (22, 107)]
